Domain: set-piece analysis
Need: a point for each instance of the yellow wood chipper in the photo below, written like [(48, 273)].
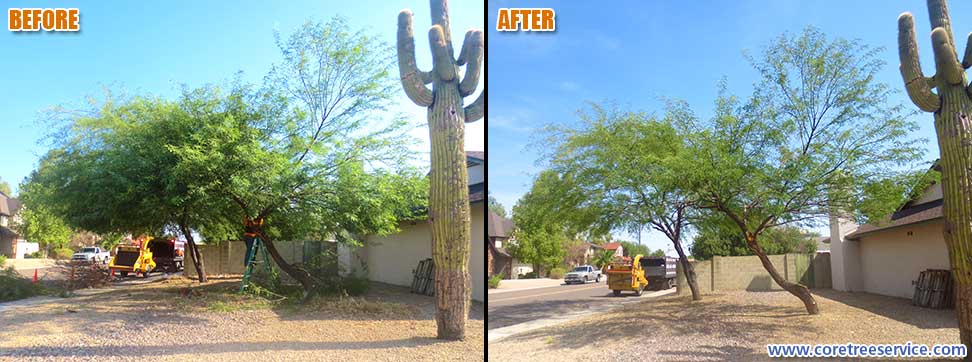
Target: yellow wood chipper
[(626, 274), (135, 258)]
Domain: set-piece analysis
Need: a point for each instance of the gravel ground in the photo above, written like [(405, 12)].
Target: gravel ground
[(157, 322), (732, 326)]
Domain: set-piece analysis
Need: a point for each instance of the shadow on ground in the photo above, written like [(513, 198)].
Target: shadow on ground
[(650, 325), (210, 348), (899, 309)]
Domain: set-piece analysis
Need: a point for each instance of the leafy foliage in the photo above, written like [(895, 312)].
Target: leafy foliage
[(13, 286), (5, 188), (495, 206), (603, 258), (541, 234), (557, 273), (718, 236), (631, 248), (816, 132), (494, 281)]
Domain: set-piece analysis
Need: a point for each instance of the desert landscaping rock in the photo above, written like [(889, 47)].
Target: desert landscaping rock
[(734, 326), (143, 323)]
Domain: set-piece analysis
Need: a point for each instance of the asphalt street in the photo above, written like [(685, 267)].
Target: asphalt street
[(515, 307)]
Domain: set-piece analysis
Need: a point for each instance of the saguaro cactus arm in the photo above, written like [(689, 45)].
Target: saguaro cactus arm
[(442, 63), (946, 61), (967, 59), (413, 80), (472, 52), (917, 85), (474, 111)]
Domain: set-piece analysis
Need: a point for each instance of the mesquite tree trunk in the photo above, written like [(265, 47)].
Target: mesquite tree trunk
[(952, 108), (302, 276), (194, 249), (449, 195), (689, 271), (798, 290)]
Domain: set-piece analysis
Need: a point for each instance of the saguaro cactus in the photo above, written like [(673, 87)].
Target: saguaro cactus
[(952, 107), (449, 195)]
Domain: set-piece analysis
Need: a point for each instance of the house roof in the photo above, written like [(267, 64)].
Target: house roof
[(476, 156), (929, 211), (6, 232), (909, 213), (499, 227), (8, 205), (823, 243), (611, 246), (498, 251), (594, 246), (477, 192)]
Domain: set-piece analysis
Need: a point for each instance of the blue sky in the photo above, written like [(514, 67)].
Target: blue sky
[(153, 47), (634, 52)]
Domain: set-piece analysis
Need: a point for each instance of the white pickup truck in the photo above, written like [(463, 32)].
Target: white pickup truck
[(583, 274), (93, 254)]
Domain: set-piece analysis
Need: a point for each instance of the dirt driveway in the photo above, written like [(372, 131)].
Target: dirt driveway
[(163, 321)]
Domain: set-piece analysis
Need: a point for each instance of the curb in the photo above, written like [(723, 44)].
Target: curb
[(501, 291)]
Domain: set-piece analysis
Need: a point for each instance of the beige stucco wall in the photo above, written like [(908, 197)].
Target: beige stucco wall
[(477, 257), (391, 259), (931, 193), (891, 259)]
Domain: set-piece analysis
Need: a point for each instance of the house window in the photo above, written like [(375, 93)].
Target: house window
[(3, 221), (499, 243)]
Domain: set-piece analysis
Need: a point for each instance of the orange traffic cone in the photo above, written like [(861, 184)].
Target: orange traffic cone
[(35, 276)]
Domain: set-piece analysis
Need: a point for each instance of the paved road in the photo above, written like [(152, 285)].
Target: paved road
[(509, 308)]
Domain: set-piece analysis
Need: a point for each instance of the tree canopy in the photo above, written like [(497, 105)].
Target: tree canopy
[(817, 132)]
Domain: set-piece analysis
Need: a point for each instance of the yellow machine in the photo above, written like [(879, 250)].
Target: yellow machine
[(136, 258), (626, 274)]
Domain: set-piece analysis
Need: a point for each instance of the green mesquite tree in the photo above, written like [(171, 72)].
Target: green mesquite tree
[(449, 197), (952, 108)]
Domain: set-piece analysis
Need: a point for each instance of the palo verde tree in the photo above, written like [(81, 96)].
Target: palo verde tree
[(623, 170), (952, 108), (449, 197), (814, 138)]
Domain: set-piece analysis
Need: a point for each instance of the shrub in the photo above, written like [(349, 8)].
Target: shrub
[(494, 281), (530, 275), (557, 273), (63, 253), (3, 259), (355, 286), (13, 286), (35, 255)]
